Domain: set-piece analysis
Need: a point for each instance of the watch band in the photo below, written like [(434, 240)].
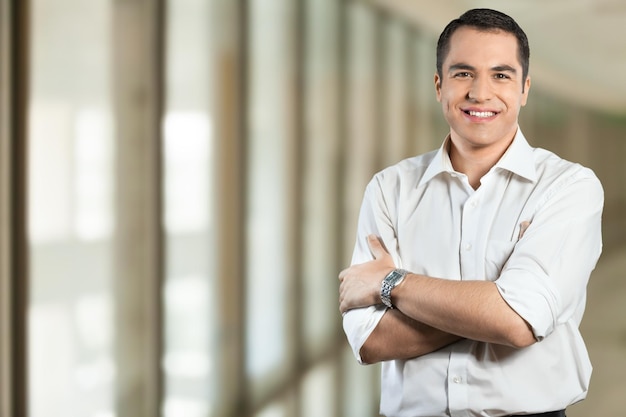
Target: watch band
[(393, 279)]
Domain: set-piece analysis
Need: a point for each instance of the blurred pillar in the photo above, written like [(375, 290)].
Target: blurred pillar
[(13, 245), (138, 91), (228, 107)]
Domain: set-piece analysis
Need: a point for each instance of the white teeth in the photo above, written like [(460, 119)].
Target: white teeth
[(481, 113)]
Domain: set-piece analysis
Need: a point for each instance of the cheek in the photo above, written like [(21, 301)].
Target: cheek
[(514, 99), (448, 98), (446, 103)]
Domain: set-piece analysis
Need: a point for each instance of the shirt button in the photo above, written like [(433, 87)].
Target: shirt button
[(468, 246), (474, 203), (457, 379)]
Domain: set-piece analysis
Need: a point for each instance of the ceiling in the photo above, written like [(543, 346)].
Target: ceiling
[(577, 47)]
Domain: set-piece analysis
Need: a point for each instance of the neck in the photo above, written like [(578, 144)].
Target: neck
[(475, 162)]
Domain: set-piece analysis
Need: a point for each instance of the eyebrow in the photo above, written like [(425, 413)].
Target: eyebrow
[(467, 67), (456, 67), (504, 68)]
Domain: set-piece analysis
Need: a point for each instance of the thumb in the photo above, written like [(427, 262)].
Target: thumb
[(376, 246)]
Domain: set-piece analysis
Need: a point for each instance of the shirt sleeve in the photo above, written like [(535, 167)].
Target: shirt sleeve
[(545, 278), (374, 218)]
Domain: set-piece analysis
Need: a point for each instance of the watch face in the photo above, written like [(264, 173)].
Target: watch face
[(394, 278)]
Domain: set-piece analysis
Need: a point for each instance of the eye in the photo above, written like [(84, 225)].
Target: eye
[(501, 76), (463, 74)]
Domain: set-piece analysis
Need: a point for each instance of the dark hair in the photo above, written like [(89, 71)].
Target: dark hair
[(485, 20)]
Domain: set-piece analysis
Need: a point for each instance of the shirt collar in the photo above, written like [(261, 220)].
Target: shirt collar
[(517, 159), (440, 163)]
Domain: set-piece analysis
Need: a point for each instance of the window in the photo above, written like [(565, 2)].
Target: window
[(71, 148), (270, 187), (191, 316)]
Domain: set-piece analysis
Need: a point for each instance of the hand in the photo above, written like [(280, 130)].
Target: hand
[(360, 284)]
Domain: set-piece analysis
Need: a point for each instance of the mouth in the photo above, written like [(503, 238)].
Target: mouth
[(480, 114)]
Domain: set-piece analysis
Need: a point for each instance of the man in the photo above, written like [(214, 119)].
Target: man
[(495, 240)]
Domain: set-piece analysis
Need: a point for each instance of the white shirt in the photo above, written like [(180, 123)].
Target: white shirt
[(434, 223)]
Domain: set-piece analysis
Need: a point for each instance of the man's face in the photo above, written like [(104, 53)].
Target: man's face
[(480, 89)]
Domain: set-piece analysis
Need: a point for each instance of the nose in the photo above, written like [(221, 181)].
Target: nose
[(480, 89)]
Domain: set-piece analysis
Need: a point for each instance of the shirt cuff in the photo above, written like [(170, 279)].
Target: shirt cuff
[(533, 298), (358, 324)]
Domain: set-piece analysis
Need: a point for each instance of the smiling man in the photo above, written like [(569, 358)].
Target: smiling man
[(468, 279)]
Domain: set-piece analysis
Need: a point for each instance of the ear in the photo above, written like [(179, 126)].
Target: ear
[(438, 86), (526, 89)]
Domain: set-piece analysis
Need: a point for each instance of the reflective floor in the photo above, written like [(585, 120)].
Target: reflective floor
[(604, 330)]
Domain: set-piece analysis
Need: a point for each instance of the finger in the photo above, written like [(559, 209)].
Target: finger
[(343, 274), (342, 307), (377, 248), (522, 228)]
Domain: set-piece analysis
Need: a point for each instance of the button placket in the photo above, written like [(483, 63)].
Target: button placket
[(458, 389), (468, 233)]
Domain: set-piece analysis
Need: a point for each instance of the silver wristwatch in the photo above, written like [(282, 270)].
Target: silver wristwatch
[(393, 279)]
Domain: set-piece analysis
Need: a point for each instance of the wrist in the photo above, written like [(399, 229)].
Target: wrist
[(392, 280)]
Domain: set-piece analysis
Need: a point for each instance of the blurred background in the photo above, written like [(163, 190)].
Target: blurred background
[(180, 182)]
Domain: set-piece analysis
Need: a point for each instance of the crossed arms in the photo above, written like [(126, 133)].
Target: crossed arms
[(430, 312)]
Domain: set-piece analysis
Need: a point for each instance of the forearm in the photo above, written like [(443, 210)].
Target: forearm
[(469, 309), (399, 337)]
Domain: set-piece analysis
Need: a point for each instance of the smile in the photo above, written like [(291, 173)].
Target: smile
[(483, 114)]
